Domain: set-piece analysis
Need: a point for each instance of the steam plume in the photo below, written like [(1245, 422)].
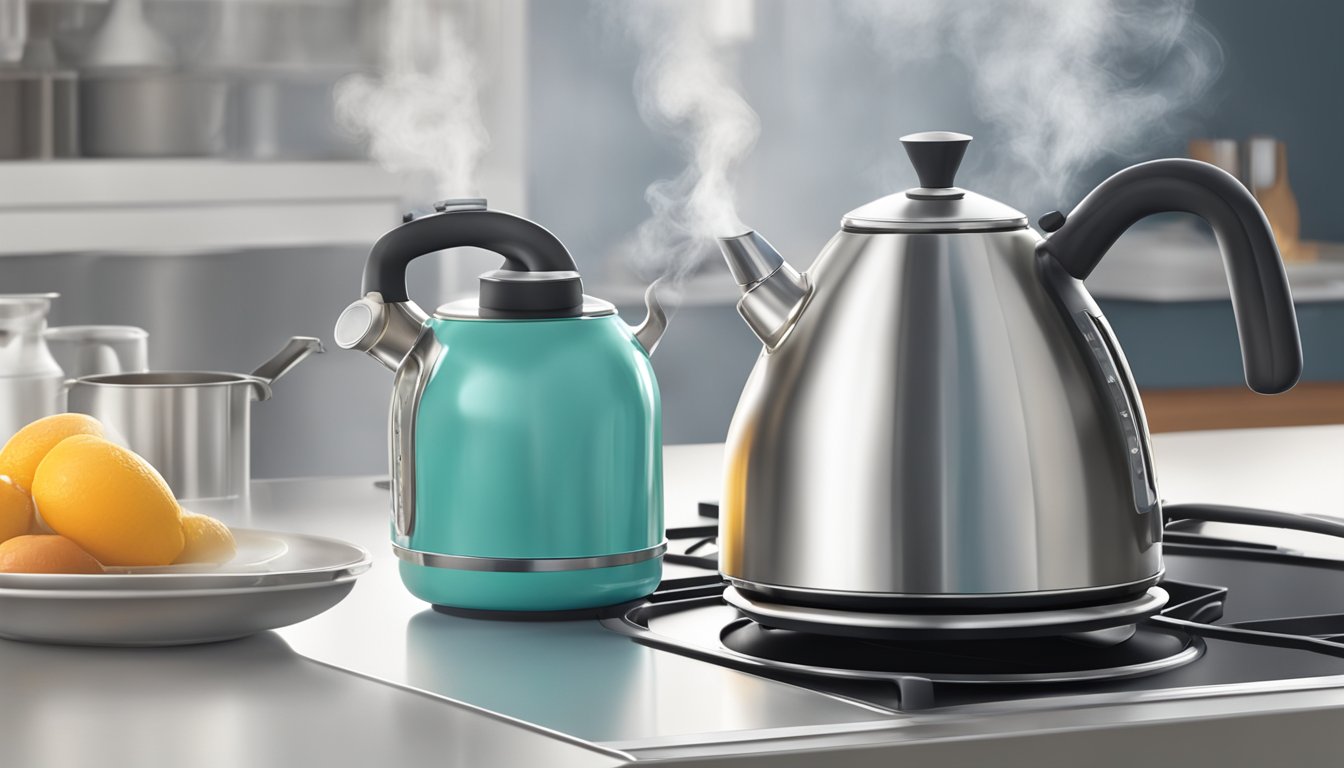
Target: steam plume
[(685, 90), (1065, 84), (420, 112)]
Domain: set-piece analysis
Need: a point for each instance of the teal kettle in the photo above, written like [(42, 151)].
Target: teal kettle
[(525, 430)]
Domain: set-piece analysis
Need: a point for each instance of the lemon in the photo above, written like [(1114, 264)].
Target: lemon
[(109, 501), (45, 554), (26, 449), (208, 540), (16, 510)]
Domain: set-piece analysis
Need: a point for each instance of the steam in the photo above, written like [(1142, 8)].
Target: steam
[(685, 90), (420, 112), (1065, 84)]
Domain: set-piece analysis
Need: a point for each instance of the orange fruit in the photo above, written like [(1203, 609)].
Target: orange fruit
[(208, 540), (45, 554), (16, 510), (26, 449), (109, 501)]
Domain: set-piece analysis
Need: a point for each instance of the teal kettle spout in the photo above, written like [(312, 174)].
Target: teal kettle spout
[(525, 428)]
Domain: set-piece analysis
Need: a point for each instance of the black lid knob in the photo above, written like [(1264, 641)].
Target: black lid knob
[(936, 156), (1052, 221)]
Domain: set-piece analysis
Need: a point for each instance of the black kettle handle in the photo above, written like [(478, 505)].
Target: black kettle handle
[(1271, 351), (525, 245)]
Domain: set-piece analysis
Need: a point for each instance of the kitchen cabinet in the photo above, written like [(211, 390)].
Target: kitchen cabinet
[(190, 205)]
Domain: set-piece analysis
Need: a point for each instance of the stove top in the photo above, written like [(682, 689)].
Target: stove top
[(1244, 614)]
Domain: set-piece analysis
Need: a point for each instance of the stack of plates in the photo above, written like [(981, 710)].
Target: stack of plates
[(276, 579)]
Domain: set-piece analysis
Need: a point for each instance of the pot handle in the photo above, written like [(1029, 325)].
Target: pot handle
[(294, 351)]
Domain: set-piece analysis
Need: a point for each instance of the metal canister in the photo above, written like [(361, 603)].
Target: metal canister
[(38, 114)]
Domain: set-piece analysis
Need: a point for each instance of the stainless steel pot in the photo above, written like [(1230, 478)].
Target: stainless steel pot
[(38, 111), (287, 114), (151, 112), (193, 426)]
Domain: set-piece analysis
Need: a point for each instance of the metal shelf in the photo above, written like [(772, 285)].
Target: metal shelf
[(190, 205)]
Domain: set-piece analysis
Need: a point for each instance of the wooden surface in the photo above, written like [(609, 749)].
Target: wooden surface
[(1181, 410)]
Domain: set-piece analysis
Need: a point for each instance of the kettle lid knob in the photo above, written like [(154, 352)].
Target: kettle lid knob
[(936, 156)]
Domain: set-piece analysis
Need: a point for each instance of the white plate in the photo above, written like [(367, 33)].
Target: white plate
[(265, 558), (278, 579), (256, 549)]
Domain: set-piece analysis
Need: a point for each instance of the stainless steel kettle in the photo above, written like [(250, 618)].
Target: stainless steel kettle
[(941, 417)]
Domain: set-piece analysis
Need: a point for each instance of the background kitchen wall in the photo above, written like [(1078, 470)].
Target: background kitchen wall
[(220, 280)]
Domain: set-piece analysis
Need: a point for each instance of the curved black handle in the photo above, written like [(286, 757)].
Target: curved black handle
[(1267, 518), (1271, 351), (525, 245)]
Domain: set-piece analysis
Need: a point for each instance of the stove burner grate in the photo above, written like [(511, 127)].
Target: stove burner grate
[(883, 625), (1036, 660)]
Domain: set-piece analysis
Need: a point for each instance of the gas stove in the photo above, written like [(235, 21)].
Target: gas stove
[(1242, 613)]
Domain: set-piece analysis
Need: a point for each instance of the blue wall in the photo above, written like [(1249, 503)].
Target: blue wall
[(1284, 61)]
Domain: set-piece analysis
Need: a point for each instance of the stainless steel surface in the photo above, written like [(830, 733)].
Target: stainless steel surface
[(253, 702), (770, 300), (407, 387), (930, 427), (526, 564), (651, 329), (1125, 410), (38, 114), (410, 686), (89, 350), (385, 331), (194, 426), (912, 211), (750, 257), (1006, 624), (31, 383), (467, 309), (146, 112)]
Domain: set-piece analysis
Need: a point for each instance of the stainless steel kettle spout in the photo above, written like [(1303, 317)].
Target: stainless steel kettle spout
[(649, 332), (773, 293), (386, 331)]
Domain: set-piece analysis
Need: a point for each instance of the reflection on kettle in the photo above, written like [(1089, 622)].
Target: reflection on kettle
[(572, 676)]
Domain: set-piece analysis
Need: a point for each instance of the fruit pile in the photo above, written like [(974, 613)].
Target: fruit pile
[(72, 501)]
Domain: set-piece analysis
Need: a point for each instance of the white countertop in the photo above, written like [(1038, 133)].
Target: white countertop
[(443, 691)]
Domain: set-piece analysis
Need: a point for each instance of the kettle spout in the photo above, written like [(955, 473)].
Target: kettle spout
[(386, 331), (650, 332), (773, 293)]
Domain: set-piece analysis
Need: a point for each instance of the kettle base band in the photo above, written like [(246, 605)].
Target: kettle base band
[(526, 564)]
